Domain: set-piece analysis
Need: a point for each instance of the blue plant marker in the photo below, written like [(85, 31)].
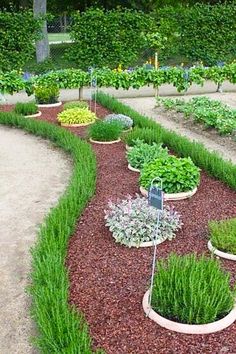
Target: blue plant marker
[(155, 197)]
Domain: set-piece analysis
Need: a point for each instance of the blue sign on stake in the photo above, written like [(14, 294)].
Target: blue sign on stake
[(155, 194)]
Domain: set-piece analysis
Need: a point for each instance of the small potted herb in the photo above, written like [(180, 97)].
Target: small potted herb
[(76, 117), (102, 132), (28, 109), (47, 96), (125, 121)]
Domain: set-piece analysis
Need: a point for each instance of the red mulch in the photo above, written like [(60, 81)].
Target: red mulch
[(108, 280)]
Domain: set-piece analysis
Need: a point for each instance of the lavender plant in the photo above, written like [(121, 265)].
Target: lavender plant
[(125, 121), (132, 221)]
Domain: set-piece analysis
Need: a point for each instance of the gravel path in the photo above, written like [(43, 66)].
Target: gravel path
[(146, 106), (33, 174)]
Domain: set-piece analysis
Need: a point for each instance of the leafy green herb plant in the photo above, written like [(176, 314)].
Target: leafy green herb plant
[(76, 116), (75, 104), (177, 174), (105, 131), (46, 94), (192, 290), (125, 121), (223, 235)]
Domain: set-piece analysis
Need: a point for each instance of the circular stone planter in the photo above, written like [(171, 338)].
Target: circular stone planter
[(188, 328), (172, 196), (147, 244), (75, 125), (34, 115), (230, 256), (48, 105), (104, 142), (133, 169), (128, 148)]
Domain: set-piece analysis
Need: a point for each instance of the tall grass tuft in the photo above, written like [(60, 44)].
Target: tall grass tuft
[(223, 235)]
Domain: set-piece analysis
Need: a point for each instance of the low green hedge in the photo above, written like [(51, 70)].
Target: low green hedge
[(208, 161), (60, 328)]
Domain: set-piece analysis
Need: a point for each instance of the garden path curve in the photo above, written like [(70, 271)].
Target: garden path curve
[(33, 174)]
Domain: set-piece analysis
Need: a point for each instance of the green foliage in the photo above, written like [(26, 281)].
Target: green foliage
[(75, 104), (26, 109), (223, 235), (191, 290), (76, 116), (46, 94), (146, 135), (143, 153), (125, 121), (11, 82), (18, 32), (105, 131), (60, 329), (108, 38), (211, 113), (177, 174), (209, 161)]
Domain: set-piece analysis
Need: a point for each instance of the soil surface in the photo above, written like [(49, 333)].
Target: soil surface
[(224, 145), (33, 174), (108, 280)]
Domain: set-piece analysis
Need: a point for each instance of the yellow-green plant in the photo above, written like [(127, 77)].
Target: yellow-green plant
[(76, 116)]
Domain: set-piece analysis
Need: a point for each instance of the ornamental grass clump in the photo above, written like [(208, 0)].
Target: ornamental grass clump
[(132, 221), (147, 135), (177, 174), (192, 290), (76, 116), (143, 153), (75, 104), (223, 235), (125, 121), (26, 109), (105, 131)]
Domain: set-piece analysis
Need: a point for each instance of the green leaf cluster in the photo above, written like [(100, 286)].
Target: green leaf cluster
[(105, 131), (75, 104), (76, 116), (223, 235), (191, 290), (46, 94)]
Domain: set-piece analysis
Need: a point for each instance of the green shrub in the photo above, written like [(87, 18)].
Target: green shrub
[(209, 161), (105, 131), (142, 153), (76, 116), (125, 121), (60, 328), (191, 290), (223, 235), (75, 104), (46, 94), (108, 38), (26, 109), (19, 30), (147, 135), (177, 174)]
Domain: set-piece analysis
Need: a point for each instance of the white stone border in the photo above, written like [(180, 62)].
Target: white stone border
[(34, 115), (187, 328), (75, 125), (147, 244), (57, 104), (128, 148), (230, 256), (133, 169), (172, 196), (104, 142)]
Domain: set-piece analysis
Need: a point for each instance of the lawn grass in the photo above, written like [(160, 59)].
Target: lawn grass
[(58, 37)]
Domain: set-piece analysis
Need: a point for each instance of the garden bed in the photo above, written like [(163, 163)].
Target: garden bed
[(108, 280)]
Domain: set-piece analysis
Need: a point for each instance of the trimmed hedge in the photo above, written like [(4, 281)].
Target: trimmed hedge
[(60, 328), (209, 161)]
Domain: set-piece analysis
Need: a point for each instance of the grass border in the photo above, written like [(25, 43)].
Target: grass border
[(211, 162), (61, 329)]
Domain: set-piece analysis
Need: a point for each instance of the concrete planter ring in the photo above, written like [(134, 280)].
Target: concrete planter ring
[(215, 251), (133, 169), (188, 328), (128, 148), (172, 196), (147, 244), (104, 142), (75, 125), (38, 114), (50, 105)]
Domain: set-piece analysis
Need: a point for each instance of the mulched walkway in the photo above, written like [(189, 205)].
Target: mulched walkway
[(108, 280)]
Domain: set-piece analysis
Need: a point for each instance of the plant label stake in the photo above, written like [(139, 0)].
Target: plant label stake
[(93, 86), (155, 199)]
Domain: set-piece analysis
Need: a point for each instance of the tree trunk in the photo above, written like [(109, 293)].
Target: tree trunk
[(42, 46)]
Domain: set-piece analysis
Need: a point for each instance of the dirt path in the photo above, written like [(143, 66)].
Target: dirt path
[(146, 106), (33, 174)]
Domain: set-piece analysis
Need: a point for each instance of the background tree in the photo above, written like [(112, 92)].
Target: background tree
[(42, 45)]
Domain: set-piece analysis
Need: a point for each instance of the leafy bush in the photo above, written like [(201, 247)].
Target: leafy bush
[(26, 109), (75, 104), (142, 153), (146, 135), (132, 221), (212, 113), (19, 30), (125, 121), (108, 38), (191, 290), (46, 94), (76, 116), (105, 131), (177, 174), (223, 235)]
